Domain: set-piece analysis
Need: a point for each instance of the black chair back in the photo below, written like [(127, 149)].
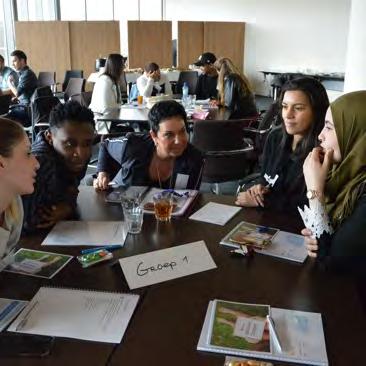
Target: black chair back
[(228, 153), (40, 112), (46, 78), (83, 98), (71, 74), (5, 101), (75, 86), (189, 77)]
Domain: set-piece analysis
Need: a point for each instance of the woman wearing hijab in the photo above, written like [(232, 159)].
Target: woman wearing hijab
[(335, 176)]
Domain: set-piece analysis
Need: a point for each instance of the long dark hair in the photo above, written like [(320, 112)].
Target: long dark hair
[(319, 102), (114, 66)]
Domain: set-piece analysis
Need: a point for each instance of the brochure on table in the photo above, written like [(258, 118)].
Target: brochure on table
[(9, 309), (87, 233), (270, 241), (37, 263), (120, 193), (241, 330)]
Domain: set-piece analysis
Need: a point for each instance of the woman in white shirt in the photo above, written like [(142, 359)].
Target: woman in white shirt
[(107, 90), (153, 82), (17, 176)]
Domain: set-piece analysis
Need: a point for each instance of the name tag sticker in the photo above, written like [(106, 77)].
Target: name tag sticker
[(166, 264), (181, 181)]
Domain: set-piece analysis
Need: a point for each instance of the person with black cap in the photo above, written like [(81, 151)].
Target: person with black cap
[(207, 81)]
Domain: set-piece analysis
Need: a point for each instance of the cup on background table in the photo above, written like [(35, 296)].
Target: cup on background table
[(163, 205), (140, 99), (133, 216)]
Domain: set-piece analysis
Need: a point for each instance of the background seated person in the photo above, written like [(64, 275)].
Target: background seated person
[(7, 77), (17, 175), (107, 90), (63, 152), (281, 186), (235, 92), (153, 159), (152, 82), (207, 81), (26, 86), (335, 177)]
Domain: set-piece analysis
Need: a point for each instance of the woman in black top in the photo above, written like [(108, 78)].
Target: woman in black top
[(163, 158), (235, 92), (303, 103), (335, 175)]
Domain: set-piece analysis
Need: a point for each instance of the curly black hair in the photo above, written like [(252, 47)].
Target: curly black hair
[(71, 111), (164, 110)]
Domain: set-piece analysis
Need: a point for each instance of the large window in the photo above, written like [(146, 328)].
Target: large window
[(36, 10), (100, 10), (73, 9)]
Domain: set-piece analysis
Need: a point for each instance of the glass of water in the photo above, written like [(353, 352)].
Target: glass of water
[(133, 216)]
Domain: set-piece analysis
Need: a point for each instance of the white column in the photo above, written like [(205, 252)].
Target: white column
[(355, 76)]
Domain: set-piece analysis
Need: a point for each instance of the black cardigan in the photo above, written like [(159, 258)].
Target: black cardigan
[(128, 161)]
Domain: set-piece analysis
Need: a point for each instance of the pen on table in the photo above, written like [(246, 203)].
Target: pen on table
[(106, 247), (23, 322), (272, 329)]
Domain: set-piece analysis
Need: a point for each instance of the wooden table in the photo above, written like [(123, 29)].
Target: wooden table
[(167, 322)]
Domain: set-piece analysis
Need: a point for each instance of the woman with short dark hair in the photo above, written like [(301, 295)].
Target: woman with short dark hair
[(153, 159)]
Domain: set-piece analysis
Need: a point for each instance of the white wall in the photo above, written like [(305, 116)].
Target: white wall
[(285, 35)]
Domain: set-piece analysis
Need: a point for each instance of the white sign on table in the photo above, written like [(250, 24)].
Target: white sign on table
[(166, 264), (215, 213)]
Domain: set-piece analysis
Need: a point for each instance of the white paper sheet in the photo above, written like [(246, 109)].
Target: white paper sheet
[(166, 264), (9, 309), (81, 314), (215, 213), (84, 233)]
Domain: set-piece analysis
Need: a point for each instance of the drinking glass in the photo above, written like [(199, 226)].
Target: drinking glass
[(163, 205), (133, 215)]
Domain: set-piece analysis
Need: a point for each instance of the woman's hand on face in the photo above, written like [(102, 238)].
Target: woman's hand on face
[(316, 168), (101, 182), (311, 243), (253, 197)]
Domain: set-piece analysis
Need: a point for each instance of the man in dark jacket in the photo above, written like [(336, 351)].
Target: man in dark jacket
[(23, 91), (207, 81), (63, 152)]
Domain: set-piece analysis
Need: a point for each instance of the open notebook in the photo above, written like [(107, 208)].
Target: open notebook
[(241, 330), (73, 313)]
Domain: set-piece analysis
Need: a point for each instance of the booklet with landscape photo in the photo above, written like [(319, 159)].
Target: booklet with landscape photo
[(242, 330), (37, 263)]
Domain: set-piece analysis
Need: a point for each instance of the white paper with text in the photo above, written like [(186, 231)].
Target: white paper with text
[(166, 264)]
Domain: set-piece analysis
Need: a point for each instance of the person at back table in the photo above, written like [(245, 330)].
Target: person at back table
[(107, 91), (207, 82), (7, 77), (24, 90), (235, 92), (63, 152), (281, 186), (18, 169), (163, 158), (152, 82)]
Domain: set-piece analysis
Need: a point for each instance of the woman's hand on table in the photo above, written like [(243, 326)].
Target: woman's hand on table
[(101, 182)]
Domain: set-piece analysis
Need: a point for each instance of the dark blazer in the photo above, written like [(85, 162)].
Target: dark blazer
[(128, 161)]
